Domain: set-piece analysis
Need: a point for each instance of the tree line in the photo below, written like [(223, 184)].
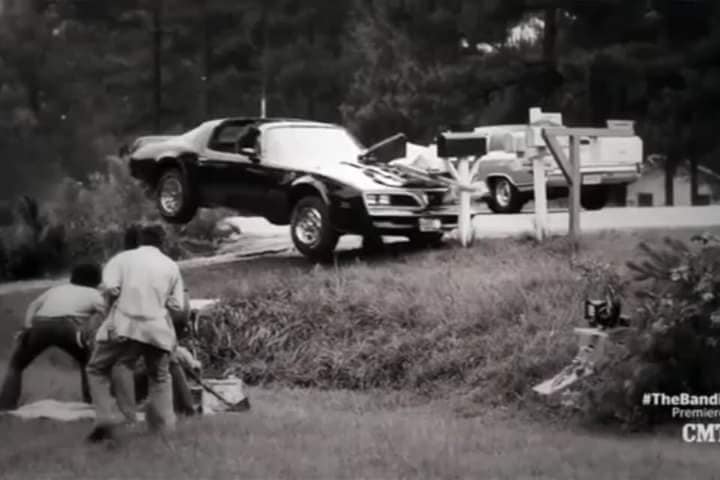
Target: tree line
[(78, 78)]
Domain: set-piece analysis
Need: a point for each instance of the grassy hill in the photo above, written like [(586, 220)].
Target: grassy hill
[(424, 339)]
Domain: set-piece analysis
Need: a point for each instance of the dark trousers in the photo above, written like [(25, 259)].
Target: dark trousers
[(160, 414), (182, 397), (62, 333)]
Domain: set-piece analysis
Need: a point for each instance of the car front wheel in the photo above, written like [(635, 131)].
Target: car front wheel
[(174, 198), (310, 229)]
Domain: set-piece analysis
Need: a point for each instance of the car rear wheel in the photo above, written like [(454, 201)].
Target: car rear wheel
[(504, 196), (594, 198), (310, 229), (174, 198)]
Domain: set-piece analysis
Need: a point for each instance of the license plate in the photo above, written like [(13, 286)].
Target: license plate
[(592, 179), (430, 225)]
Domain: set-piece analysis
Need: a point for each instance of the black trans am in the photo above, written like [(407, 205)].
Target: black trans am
[(313, 176)]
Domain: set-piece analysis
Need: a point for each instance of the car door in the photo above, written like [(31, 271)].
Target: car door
[(228, 176), (273, 178)]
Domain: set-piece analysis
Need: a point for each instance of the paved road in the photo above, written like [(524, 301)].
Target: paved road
[(261, 238), (494, 225), (606, 219)]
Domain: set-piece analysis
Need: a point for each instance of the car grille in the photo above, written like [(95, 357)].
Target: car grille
[(435, 198), (403, 201)]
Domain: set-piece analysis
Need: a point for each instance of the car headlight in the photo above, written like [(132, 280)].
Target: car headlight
[(378, 199), (402, 200)]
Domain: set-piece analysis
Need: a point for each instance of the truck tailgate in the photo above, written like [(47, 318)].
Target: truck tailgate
[(618, 151)]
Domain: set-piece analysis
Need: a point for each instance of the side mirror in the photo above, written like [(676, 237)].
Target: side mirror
[(251, 153)]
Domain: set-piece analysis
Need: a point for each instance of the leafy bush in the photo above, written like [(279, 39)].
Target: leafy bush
[(673, 345), (86, 221), (31, 245)]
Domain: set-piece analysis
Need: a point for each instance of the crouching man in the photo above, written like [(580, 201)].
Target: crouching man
[(57, 318), (144, 284)]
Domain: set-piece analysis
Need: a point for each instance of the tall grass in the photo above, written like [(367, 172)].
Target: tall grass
[(491, 320)]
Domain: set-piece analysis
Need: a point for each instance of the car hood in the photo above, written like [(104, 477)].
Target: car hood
[(371, 177)]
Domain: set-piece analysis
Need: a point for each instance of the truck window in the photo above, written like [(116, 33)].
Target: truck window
[(498, 142)]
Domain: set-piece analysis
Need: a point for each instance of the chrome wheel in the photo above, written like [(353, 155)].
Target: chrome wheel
[(502, 192), (171, 195), (308, 227)]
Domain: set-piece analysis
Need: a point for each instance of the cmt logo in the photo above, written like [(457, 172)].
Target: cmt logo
[(701, 432)]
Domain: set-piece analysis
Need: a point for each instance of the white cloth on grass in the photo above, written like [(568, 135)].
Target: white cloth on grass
[(232, 389)]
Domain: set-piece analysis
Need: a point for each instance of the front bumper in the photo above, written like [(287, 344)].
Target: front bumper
[(404, 222)]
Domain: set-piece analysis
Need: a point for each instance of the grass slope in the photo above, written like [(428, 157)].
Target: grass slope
[(294, 433)]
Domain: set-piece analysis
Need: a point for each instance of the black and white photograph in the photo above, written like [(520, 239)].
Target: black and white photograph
[(359, 239)]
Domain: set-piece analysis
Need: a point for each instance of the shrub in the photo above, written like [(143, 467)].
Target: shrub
[(31, 245), (6, 214), (86, 221), (673, 345)]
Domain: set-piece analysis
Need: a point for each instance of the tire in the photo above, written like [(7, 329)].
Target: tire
[(594, 198), (424, 240), (504, 196), (182, 208), (310, 229)]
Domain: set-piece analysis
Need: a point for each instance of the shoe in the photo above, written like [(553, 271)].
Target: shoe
[(101, 433)]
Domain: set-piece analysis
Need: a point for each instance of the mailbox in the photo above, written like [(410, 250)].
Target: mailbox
[(461, 144)]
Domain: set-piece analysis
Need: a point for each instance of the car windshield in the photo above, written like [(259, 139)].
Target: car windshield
[(298, 146)]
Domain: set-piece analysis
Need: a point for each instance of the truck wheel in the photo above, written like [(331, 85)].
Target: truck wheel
[(310, 229), (594, 198), (504, 196), (174, 198)]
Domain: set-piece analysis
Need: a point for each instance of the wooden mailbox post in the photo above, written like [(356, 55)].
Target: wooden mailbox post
[(466, 148), (543, 133)]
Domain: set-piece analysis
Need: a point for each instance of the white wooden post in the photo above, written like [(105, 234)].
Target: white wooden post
[(575, 191), (464, 217), (536, 148), (569, 163), (540, 192)]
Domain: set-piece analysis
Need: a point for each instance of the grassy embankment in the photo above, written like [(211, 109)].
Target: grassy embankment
[(478, 328)]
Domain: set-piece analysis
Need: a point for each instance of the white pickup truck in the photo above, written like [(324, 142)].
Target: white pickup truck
[(606, 163)]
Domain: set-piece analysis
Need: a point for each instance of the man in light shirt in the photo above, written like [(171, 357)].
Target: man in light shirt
[(57, 318), (146, 286)]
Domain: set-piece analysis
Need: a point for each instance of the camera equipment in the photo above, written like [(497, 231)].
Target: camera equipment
[(605, 313)]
